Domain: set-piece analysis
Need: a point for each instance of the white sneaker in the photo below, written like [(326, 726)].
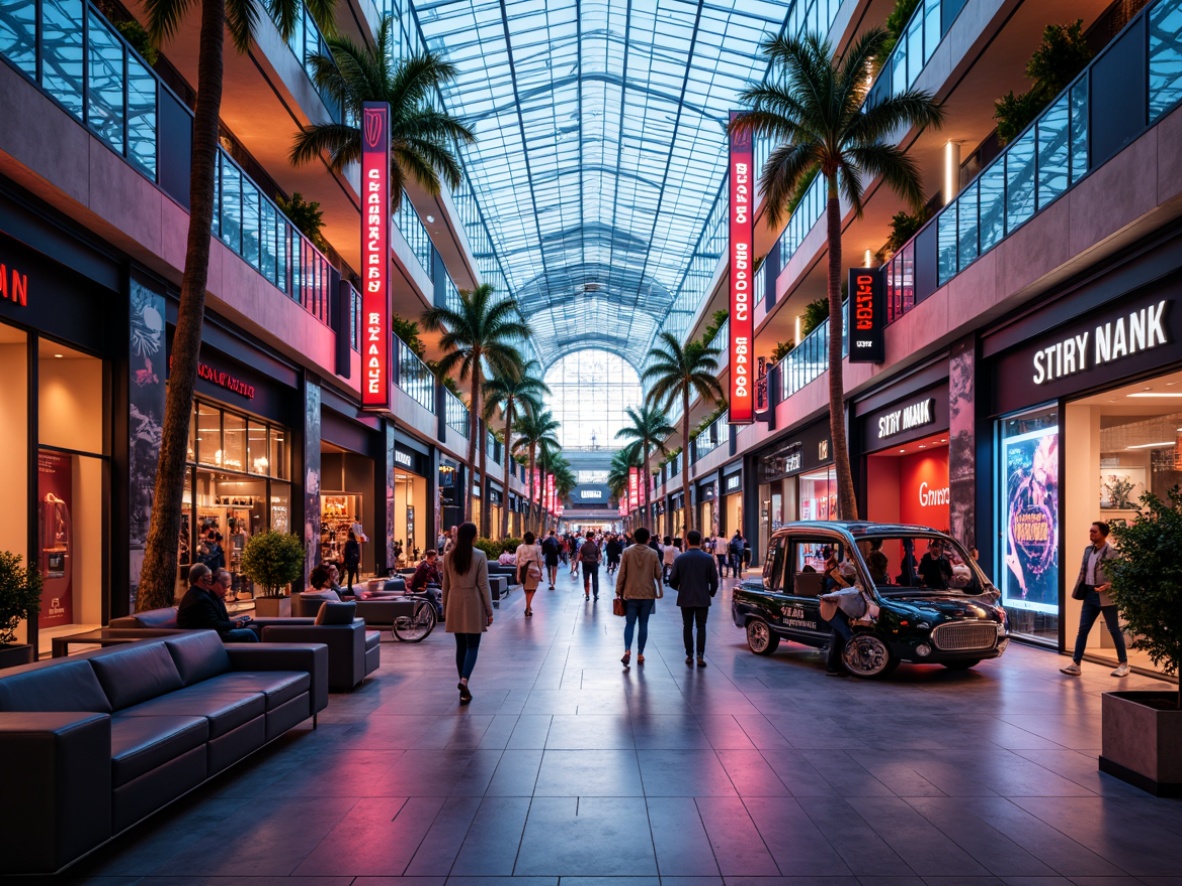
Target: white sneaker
[(1122, 670), (1072, 670)]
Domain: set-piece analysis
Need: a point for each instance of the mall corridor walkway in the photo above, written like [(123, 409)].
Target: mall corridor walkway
[(568, 770)]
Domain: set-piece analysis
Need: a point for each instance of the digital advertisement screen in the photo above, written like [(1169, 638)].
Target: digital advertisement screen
[(1030, 513)]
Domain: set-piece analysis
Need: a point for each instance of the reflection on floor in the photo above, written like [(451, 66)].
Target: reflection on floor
[(568, 769)]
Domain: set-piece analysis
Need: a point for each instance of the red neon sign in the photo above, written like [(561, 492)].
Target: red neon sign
[(375, 255), (633, 488), (14, 286), (742, 260)]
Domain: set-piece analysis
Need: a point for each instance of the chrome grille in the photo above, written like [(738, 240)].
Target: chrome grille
[(965, 636)]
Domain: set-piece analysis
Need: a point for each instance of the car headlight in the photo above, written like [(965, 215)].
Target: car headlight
[(1001, 629), (923, 650)]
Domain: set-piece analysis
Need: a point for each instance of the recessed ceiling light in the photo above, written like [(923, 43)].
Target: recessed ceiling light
[(923, 446), (1155, 394), (1151, 445), (430, 219), (59, 356), (902, 450)]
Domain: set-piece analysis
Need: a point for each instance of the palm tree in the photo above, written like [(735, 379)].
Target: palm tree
[(535, 434), (814, 108), (421, 137), (675, 371), (158, 574), (648, 432), (507, 393), (482, 330)]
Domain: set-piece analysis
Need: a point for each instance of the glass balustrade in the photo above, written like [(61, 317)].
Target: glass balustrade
[(415, 234), (414, 378), (809, 359), (455, 413), (306, 42)]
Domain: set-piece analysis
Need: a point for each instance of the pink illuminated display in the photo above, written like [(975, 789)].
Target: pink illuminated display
[(742, 260), (375, 255)]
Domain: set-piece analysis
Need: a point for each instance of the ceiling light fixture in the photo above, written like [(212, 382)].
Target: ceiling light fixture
[(1151, 445), (430, 219), (1154, 394)]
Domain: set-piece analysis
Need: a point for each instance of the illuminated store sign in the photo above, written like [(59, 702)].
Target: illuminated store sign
[(742, 237), (14, 286), (914, 416), (222, 379), (633, 488), (404, 458), (1140, 330), (375, 255), (734, 481), (590, 493), (867, 309)]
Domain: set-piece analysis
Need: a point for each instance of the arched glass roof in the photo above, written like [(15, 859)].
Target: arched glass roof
[(601, 146)]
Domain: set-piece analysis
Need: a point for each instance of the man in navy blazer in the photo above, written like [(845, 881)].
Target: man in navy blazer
[(695, 578)]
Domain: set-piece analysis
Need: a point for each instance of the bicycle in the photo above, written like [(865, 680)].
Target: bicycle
[(416, 627)]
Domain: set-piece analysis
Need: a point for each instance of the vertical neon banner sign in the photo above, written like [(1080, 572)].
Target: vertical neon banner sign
[(742, 242), (375, 255)]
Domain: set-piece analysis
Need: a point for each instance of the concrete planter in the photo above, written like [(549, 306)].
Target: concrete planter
[(272, 607), (15, 655), (1140, 742)]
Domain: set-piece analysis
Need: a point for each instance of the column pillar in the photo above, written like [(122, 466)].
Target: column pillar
[(309, 463), (385, 558), (962, 441)]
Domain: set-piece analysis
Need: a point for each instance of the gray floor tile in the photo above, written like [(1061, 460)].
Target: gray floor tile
[(587, 836)]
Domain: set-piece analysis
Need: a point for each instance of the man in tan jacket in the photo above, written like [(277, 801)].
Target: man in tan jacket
[(639, 585)]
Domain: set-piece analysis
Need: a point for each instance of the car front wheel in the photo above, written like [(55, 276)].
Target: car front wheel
[(866, 655), (760, 638)]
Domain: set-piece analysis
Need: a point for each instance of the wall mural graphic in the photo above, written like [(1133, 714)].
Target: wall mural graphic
[(311, 450), (146, 417), (962, 442)]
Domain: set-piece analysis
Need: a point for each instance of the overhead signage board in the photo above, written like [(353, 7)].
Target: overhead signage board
[(375, 255), (742, 262), (867, 316)]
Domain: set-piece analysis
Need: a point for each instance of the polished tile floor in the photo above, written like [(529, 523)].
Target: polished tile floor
[(568, 769)]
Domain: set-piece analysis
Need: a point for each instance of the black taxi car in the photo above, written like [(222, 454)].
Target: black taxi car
[(953, 618)]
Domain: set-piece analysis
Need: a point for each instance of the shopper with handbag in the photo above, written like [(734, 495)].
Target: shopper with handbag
[(467, 602), (1091, 586), (638, 586), (529, 570)]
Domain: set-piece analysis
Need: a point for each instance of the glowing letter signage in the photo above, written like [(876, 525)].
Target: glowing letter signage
[(742, 236), (375, 255), (866, 307)]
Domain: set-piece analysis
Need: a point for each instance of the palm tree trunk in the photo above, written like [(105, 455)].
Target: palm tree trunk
[(473, 431), (157, 586), (646, 497), (532, 465), (505, 459), (846, 501), (687, 522)]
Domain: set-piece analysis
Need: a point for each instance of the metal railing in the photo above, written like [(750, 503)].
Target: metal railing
[(1051, 156), (78, 59), (925, 29), (809, 359), (414, 378), (415, 233), (455, 413), (305, 42)]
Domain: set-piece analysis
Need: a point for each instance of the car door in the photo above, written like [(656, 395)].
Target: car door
[(768, 601), (805, 578)]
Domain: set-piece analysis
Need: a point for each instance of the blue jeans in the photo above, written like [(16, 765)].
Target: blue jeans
[(1087, 617), (240, 635), (467, 647), (633, 610), (840, 623)]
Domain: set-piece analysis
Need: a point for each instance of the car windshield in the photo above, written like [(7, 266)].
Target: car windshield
[(900, 563)]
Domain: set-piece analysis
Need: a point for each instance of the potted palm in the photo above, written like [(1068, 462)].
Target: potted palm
[(20, 599), (1142, 730), (273, 560)]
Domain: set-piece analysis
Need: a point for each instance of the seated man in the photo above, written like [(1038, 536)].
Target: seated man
[(202, 607), (428, 580), (321, 581)]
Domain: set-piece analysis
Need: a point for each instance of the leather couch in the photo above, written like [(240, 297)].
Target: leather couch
[(353, 652), (96, 742), (376, 611)]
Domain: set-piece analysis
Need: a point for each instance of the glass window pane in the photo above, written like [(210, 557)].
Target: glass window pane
[(280, 507), (257, 460), (250, 222), (1020, 182), (231, 228), (1053, 147), (992, 196), (1079, 129), (61, 52), (946, 244), (592, 376), (279, 454), (234, 442), (966, 219), (1165, 58), (915, 56), (931, 23), (899, 75), (209, 434), (18, 34), (104, 58), (282, 251), (141, 116)]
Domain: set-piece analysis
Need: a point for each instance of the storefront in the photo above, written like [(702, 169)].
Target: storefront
[(795, 481), (62, 334), (352, 480), (451, 492), (414, 512), (496, 504), (1086, 417), (905, 467), (707, 509), (730, 509), (240, 457)]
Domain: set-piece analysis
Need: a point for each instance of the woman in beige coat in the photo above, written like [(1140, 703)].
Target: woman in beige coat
[(467, 602)]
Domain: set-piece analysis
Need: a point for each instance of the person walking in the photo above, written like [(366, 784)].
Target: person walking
[(467, 602), (352, 559), (668, 555), (576, 543), (614, 549), (695, 578), (720, 553), (589, 556), (529, 555), (552, 552), (1092, 588), (639, 585), (735, 551)]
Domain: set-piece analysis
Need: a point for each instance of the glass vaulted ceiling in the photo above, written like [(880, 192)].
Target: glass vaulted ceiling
[(601, 147)]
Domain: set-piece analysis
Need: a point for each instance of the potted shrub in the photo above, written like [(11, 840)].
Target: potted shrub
[(20, 599), (273, 560), (1142, 731)]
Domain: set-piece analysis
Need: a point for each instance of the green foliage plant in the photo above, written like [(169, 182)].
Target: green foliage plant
[(1059, 58), (896, 23), (305, 215), (1147, 580), (272, 560), (716, 321), (20, 595), (408, 331), (782, 350), (904, 226), (815, 313)]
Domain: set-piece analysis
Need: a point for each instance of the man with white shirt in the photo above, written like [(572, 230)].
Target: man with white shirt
[(1092, 588)]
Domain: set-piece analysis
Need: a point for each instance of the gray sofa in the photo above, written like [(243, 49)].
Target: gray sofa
[(96, 742), (375, 612), (353, 652)]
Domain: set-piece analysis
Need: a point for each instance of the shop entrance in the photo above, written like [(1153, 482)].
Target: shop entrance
[(412, 534), (346, 505), (908, 484)]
